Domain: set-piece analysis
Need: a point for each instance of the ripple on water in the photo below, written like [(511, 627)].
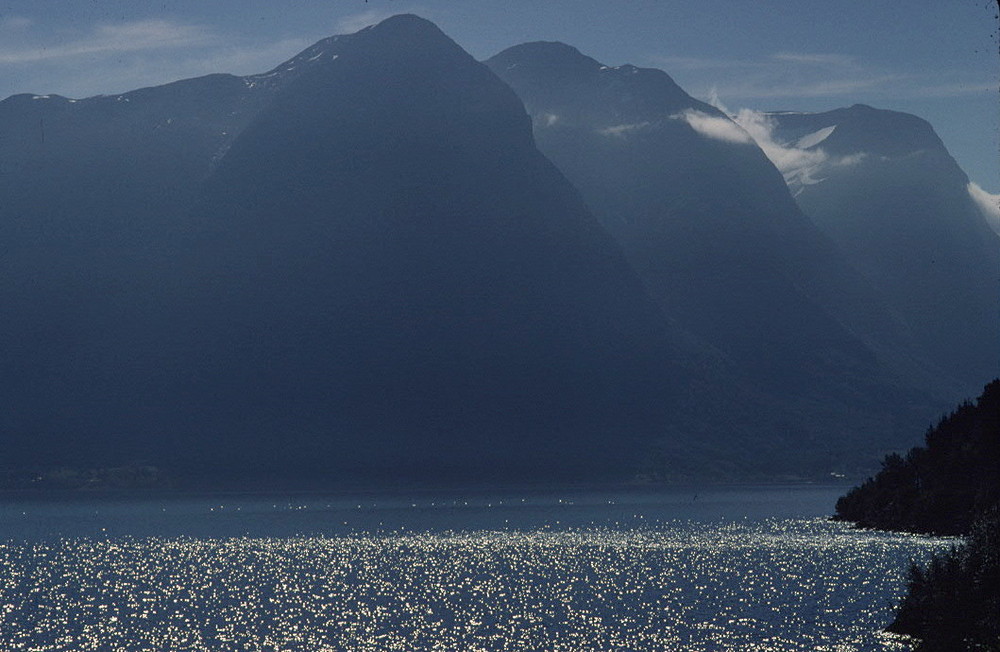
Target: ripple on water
[(776, 585)]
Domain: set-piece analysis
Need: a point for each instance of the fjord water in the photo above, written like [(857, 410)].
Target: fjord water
[(677, 569)]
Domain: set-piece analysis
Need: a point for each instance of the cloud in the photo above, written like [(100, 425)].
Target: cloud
[(781, 74), (144, 71), (803, 162), (814, 75), (703, 63), (716, 127), (767, 87), (954, 90), (548, 119), (849, 160), (811, 58), (621, 130), (989, 205), (798, 165), (244, 60), (107, 39), (113, 58), (15, 23), (357, 22)]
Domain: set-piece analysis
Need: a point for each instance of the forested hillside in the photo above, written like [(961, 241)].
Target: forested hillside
[(949, 486), (941, 487)]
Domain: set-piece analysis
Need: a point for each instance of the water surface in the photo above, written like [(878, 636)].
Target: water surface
[(753, 568)]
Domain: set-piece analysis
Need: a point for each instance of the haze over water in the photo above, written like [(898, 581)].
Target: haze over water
[(681, 569)]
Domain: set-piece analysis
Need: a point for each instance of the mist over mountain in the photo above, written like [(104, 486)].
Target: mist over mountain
[(710, 226), (885, 189), (358, 267)]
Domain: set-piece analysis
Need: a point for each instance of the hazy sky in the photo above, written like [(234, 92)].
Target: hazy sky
[(935, 58)]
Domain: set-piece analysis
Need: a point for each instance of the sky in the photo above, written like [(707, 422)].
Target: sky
[(938, 59)]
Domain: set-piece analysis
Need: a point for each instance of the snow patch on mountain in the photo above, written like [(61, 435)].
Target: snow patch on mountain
[(815, 138)]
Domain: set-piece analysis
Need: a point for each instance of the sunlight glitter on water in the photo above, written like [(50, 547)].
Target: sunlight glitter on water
[(773, 585)]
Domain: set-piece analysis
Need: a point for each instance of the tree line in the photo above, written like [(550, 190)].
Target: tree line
[(949, 486)]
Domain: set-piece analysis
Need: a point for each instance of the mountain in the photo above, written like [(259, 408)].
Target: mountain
[(383, 253), (356, 267), (362, 267), (883, 187), (710, 226)]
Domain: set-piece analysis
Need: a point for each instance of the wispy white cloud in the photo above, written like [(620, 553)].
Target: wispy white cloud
[(120, 38), (849, 160), (803, 162), (703, 63), (151, 70), (623, 129), (246, 60), (112, 58), (15, 23), (814, 58), (800, 166), (989, 205), (714, 126), (957, 89), (812, 75), (766, 88), (547, 119)]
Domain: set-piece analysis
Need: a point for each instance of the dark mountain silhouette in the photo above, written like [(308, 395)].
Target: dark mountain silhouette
[(897, 204), (710, 226), (356, 266), (383, 255)]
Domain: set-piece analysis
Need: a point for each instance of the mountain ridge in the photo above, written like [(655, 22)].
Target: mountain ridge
[(376, 279), (359, 263), (902, 213), (711, 227)]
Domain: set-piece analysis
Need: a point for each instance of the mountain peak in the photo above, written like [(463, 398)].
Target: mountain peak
[(409, 22), (553, 78), (408, 34), (552, 54), (403, 36), (861, 127)]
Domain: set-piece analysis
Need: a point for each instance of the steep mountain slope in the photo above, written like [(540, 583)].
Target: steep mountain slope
[(358, 267), (383, 254), (115, 156), (711, 228), (92, 190), (87, 187), (885, 189), (379, 278)]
